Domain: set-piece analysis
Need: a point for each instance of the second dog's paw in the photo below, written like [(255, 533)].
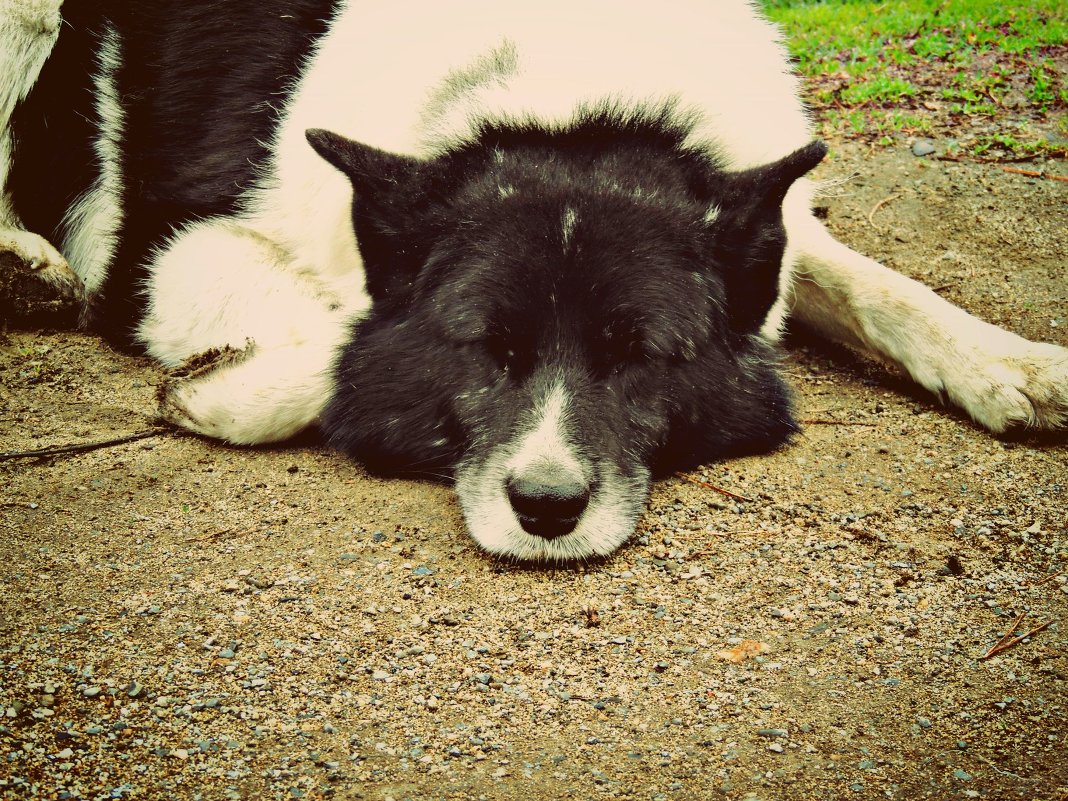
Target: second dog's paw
[(1011, 384), (36, 283)]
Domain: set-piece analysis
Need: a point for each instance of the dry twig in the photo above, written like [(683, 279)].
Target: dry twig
[(836, 423), (1008, 641), (713, 487), (1050, 577), (879, 205), (1035, 174), (83, 447)]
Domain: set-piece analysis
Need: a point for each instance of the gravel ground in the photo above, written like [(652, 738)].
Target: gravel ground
[(179, 619)]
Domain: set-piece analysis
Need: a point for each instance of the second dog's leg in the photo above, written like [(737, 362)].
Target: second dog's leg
[(1000, 379), (253, 340)]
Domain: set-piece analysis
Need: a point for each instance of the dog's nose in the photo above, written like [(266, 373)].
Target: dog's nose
[(546, 506)]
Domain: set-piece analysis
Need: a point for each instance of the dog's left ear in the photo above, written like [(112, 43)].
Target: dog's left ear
[(748, 234), (392, 193), (375, 174)]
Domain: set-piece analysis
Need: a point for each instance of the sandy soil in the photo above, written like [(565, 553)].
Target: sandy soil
[(179, 619)]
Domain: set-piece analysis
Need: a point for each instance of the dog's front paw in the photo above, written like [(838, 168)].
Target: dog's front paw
[(190, 397), (36, 283), (1008, 382)]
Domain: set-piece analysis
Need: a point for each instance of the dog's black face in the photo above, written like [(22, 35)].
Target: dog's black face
[(558, 316)]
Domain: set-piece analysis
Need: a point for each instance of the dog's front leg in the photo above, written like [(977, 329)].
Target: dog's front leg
[(28, 32), (250, 337), (1000, 379)]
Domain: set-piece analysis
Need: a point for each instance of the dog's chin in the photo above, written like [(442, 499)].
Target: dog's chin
[(608, 521)]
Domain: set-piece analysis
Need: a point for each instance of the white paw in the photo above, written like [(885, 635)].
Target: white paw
[(1008, 382), (248, 396), (38, 279), (42, 259), (190, 398)]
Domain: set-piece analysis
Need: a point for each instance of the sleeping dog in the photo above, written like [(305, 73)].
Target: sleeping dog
[(548, 246)]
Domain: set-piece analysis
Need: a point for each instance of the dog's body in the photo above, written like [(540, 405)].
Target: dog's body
[(570, 222)]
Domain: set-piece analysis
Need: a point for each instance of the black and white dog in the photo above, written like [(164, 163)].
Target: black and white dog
[(580, 227)]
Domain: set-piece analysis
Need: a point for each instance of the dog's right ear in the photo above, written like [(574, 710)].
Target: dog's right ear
[(393, 199)]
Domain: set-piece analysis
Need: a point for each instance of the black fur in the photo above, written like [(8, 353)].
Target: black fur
[(647, 313)]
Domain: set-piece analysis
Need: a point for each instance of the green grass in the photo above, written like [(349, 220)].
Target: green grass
[(879, 69)]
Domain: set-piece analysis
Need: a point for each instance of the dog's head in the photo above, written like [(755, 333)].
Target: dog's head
[(557, 317)]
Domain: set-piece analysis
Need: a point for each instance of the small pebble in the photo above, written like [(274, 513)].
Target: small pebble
[(923, 147), (772, 732)]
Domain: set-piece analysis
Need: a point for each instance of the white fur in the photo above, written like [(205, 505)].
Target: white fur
[(28, 32), (797, 215), (557, 68), (92, 224), (998, 378), (569, 221), (546, 442), (219, 285), (543, 443)]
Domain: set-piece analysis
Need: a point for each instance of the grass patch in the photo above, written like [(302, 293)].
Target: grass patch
[(879, 69)]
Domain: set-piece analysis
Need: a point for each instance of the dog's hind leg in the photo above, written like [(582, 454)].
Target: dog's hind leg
[(28, 32), (252, 339), (1000, 379)]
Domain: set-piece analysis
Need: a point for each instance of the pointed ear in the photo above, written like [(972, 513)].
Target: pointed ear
[(371, 170), (774, 180), (745, 221), (392, 194)]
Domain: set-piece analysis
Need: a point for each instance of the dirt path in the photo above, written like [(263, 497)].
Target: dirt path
[(183, 620)]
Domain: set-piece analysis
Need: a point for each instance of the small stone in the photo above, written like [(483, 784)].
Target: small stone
[(963, 775), (772, 732), (924, 723), (91, 692), (380, 675), (135, 689), (776, 748), (923, 147)]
